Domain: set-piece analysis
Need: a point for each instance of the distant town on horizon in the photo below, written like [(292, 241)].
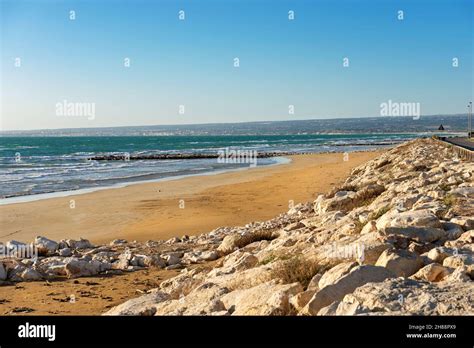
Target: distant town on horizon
[(369, 124)]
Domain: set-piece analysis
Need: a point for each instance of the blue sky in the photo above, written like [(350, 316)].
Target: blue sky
[(190, 62)]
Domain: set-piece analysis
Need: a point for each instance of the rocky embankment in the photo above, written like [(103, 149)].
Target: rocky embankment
[(397, 238)]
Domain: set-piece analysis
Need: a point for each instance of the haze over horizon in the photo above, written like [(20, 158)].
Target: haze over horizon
[(221, 123), (188, 65)]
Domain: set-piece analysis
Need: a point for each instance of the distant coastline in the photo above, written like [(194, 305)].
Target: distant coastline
[(330, 126)]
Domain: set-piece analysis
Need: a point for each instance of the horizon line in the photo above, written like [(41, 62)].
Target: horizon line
[(218, 123)]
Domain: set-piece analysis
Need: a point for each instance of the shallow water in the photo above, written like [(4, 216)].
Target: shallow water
[(38, 165)]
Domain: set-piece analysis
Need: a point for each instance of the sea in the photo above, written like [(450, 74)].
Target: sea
[(42, 164)]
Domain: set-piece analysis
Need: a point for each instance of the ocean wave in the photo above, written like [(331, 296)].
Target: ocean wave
[(61, 168), (23, 147)]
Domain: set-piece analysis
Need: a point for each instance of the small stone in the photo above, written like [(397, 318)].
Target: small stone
[(173, 240), (65, 252), (79, 244), (118, 242), (172, 259)]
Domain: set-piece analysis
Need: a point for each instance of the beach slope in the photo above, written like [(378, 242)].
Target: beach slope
[(188, 206)]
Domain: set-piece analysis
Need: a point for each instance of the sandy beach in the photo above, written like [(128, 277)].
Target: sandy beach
[(188, 206), (151, 211)]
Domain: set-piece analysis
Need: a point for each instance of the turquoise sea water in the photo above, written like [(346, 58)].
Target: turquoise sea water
[(34, 165)]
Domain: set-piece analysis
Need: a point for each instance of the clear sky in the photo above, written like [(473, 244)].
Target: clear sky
[(282, 62)]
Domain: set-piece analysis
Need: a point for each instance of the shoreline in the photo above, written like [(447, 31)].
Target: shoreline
[(151, 211), (284, 159), (68, 193)]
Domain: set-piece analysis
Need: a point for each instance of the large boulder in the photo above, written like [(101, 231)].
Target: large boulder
[(30, 274), (335, 273), (79, 244), (370, 246), (438, 254), (400, 296), (144, 305), (173, 259), (461, 274), (342, 200), (403, 263), (229, 244), (52, 267), (239, 261), (80, 268), (300, 300), (264, 299), (364, 248), (200, 256), (154, 261), (203, 300), (335, 289), (45, 246), (183, 283), (123, 261), (466, 239), (420, 225), (458, 260), (242, 279), (13, 270), (314, 282), (453, 231), (433, 272)]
